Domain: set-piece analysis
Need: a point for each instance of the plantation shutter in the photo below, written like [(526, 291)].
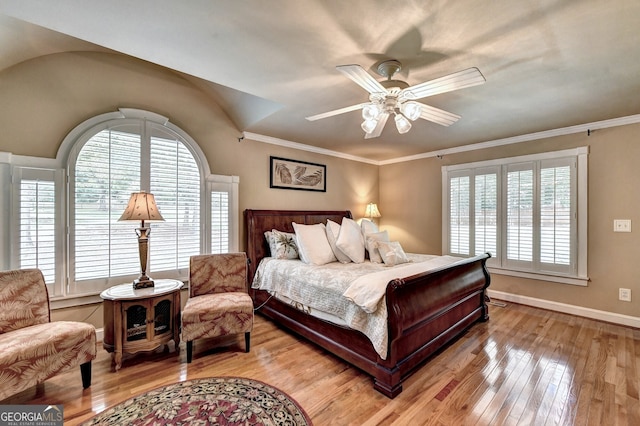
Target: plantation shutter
[(111, 165), (557, 210), (175, 183), (526, 211), (107, 171), (459, 215), (220, 222), (37, 222), (486, 213), (520, 214)]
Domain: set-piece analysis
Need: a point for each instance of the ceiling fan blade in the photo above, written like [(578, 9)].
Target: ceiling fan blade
[(378, 129), (362, 78), (437, 115), (335, 112), (458, 80)]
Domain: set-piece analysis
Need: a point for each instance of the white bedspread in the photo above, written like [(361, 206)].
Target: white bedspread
[(352, 292)]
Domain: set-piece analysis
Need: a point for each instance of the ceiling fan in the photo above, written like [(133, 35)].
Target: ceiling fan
[(396, 97)]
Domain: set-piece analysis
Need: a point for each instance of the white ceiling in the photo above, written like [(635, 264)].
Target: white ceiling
[(548, 63)]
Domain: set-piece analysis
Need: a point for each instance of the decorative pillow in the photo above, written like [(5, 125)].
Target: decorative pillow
[(350, 240), (272, 244), (368, 227), (284, 244), (333, 230), (372, 247), (313, 245), (392, 253)]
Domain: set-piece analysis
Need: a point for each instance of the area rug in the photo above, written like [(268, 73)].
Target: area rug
[(213, 401)]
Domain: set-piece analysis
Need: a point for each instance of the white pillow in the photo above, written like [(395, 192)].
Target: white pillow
[(392, 253), (368, 227), (372, 248), (313, 245), (350, 240), (333, 230), (284, 244)]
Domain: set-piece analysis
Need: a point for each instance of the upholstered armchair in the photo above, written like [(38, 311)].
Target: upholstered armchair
[(32, 347), (219, 303)]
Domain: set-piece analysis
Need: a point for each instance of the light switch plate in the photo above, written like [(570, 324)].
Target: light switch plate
[(622, 225)]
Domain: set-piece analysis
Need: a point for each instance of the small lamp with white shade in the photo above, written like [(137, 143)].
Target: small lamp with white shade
[(142, 206), (372, 212)]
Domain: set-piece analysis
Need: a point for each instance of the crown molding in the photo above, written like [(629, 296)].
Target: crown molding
[(615, 122), (587, 127), (302, 147)]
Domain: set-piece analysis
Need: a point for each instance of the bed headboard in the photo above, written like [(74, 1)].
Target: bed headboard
[(257, 222)]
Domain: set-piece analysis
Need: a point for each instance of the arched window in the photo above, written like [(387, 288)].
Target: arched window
[(131, 155), (106, 159)]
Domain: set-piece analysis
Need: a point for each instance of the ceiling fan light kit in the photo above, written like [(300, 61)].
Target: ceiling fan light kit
[(398, 98), (402, 124)]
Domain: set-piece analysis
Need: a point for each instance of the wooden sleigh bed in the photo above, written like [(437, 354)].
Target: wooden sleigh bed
[(425, 311)]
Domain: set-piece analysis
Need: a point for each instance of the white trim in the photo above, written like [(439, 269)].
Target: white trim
[(302, 147), (500, 264), (580, 281), (595, 314), (549, 155), (72, 137), (622, 121), (586, 127)]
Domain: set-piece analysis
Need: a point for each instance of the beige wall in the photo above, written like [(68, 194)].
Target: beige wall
[(43, 99), (414, 215)]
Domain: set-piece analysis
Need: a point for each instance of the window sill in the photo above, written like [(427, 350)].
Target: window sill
[(579, 281)]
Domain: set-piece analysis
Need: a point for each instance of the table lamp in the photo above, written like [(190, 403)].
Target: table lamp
[(142, 206)]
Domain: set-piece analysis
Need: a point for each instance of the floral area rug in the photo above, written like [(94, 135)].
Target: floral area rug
[(214, 401)]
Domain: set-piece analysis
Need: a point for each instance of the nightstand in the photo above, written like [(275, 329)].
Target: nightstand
[(141, 320)]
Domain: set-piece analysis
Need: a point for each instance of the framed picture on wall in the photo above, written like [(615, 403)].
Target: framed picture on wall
[(300, 175)]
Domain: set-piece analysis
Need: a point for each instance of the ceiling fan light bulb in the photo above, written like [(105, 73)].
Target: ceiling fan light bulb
[(402, 124), (370, 112), (411, 110), (369, 125)]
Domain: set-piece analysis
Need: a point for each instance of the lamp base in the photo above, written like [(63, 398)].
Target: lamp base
[(142, 283)]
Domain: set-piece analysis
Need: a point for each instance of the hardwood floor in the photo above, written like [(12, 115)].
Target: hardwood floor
[(524, 366)]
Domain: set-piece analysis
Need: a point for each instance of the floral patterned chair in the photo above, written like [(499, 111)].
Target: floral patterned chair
[(32, 347), (219, 303)]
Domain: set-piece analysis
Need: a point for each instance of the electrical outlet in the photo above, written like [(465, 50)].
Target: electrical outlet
[(622, 225), (624, 294)]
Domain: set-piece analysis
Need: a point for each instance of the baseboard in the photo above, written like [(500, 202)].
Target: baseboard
[(99, 334), (611, 317)]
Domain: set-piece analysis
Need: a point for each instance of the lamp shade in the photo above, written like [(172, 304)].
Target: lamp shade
[(142, 206), (369, 125), (370, 111), (402, 124), (372, 211), (411, 110)]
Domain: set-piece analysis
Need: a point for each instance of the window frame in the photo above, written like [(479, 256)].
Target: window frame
[(19, 174), (10, 165), (499, 264)]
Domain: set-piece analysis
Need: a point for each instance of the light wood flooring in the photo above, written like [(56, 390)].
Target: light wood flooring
[(524, 366)]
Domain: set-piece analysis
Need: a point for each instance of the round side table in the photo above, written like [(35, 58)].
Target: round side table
[(141, 320)]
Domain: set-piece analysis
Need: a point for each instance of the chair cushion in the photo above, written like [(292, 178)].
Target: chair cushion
[(217, 273), (216, 315), (30, 355), (23, 299)]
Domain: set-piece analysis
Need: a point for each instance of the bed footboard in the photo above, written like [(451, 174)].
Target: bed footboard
[(426, 312)]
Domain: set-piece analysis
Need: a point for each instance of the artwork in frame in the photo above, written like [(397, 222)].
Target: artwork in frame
[(301, 175)]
